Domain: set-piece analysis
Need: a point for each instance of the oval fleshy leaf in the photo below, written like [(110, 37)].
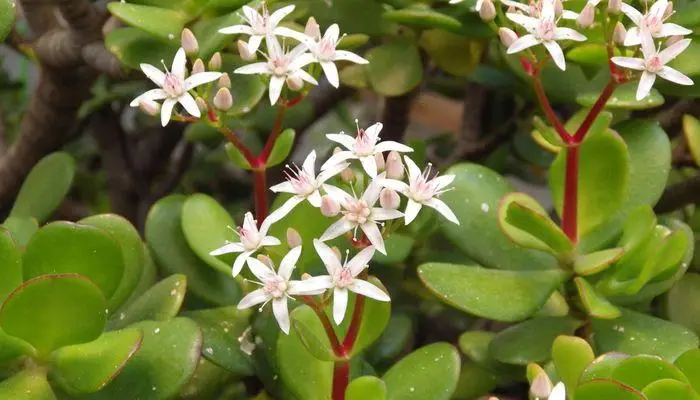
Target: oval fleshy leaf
[(366, 387), (663, 389), (605, 389), (639, 371), (207, 225), (394, 68), (27, 385), (430, 372), (538, 333), (160, 303), (595, 304), (571, 355), (689, 364), (164, 23)]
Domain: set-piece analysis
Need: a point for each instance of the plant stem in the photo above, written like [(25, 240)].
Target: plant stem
[(569, 218), (260, 192), (549, 112), (276, 130), (595, 111), (341, 378), (355, 324), (330, 332)]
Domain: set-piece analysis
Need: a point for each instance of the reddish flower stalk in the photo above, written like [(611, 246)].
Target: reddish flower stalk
[(341, 378)]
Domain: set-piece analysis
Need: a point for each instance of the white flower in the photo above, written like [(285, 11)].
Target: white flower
[(654, 63), (652, 22), (251, 240), (277, 287), (342, 278), (323, 52), (422, 190), (543, 30), (174, 88), (558, 393), (360, 213), (259, 25), (304, 184), (363, 147), (279, 66)]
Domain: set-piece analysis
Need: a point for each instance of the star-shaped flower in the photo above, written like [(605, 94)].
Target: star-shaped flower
[(251, 240), (277, 287), (280, 65), (304, 184), (654, 63), (363, 147), (343, 278), (422, 190), (360, 213), (652, 22), (543, 30), (174, 87), (260, 25)]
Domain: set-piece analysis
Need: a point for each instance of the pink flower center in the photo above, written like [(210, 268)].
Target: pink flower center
[(260, 23), (326, 50), (279, 66), (357, 211), (275, 287), (652, 23), (173, 85), (249, 238), (422, 188), (343, 278), (364, 144), (545, 30), (302, 183), (654, 64)]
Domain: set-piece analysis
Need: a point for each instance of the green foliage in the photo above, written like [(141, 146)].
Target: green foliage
[(431, 371)]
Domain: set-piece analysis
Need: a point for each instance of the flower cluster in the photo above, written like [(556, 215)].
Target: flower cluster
[(386, 180), (537, 23)]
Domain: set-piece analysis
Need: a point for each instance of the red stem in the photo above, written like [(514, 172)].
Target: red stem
[(330, 332), (595, 111), (569, 219), (260, 192), (276, 129), (548, 111), (341, 378), (355, 324), (236, 142)]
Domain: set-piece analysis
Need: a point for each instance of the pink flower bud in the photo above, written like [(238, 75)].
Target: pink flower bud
[(265, 260), (329, 206), (225, 81), (619, 33), (347, 175), (379, 159), (673, 39), (295, 83), (215, 62), (244, 51), (585, 19), (558, 7), (487, 12), (223, 100), (306, 276), (614, 6), (507, 36), (389, 199), (201, 104), (293, 238), (198, 66), (394, 166), (669, 10), (149, 107), (312, 29), (541, 386), (189, 42)]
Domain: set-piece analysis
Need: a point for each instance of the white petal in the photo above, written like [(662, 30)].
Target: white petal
[(260, 269), (252, 299), (278, 15), (331, 72), (393, 184), (336, 229), (373, 131), (338, 158), (249, 222), (201, 78), (251, 14), (154, 74), (390, 145), (312, 286), (443, 209), (411, 212), (673, 50), (332, 33), (515, 4), (556, 53), (276, 84), (558, 393), (631, 13), (254, 43), (349, 56), (670, 29), (268, 241), (305, 76), (629, 62), (383, 214), (547, 12), (254, 68), (296, 52), (286, 32), (314, 199), (179, 64), (675, 76), (153, 94), (370, 165), (237, 29), (632, 37), (330, 172), (374, 235), (340, 304), (346, 140), (327, 256), (645, 84), (239, 262), (288, 263), (284, 187), (568, 14), (337, 194), (360, 261), (444, 180), (301, 61), (648, 46), (371, 194), (279, 308), (190, 105), (522, 43), (413, 170), (369, 290), (568, 34), (527, 22), (658, 8), (309, 164), (166, 111), (226, 249)]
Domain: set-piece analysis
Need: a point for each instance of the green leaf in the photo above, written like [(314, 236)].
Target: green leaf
[(594, 303), (689, 364), (10, 264), (453, 53), (147, 278), (475, 381), (624, 98), (526, 223), (571, 356), (282, 148), (22, 229), (685, 62), (191, 7), (65, 247), (663, 389), (365, 388), (45, 187), (52, 311), (87, 368), (161, 22), (133, 46), (423, 17), (475, 345), (500, 295), (590, 55), (603, 366), (634, 333), (398, 248), (604, 389), (474, 200), (309, 329), (639, 371), (359, 16), (160, 303), (221, 328), (394, 68), (169, 354), (236, 156), (7, 17), (27, 385), (603, 176), (430, 372), (173, 254), (207, 226), (682, 303), (206, 30), (691, 130), (132, 251), (538, 333), (593, 263), (397, 336)]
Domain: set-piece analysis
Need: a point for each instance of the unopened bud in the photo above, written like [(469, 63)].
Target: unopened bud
[(394, 166), (347, 175), (389, 199), (487, 11), (294, 83), (244, 52), (541, 386), (673, 39), (215, 62), (558, 7), (669, 10), (189, 42), (203, 107), (614, 6), (619, 33), (265, 260), (507, 36), (223, 100), (329, 206), (379, 160), (306, 276), (293, 238), (312, 29), (149, 107), (198, 66), (337, 252), (585, 19), (225, 81)]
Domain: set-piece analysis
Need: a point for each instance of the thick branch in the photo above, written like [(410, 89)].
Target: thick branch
[(397, 115), (679, 195)]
